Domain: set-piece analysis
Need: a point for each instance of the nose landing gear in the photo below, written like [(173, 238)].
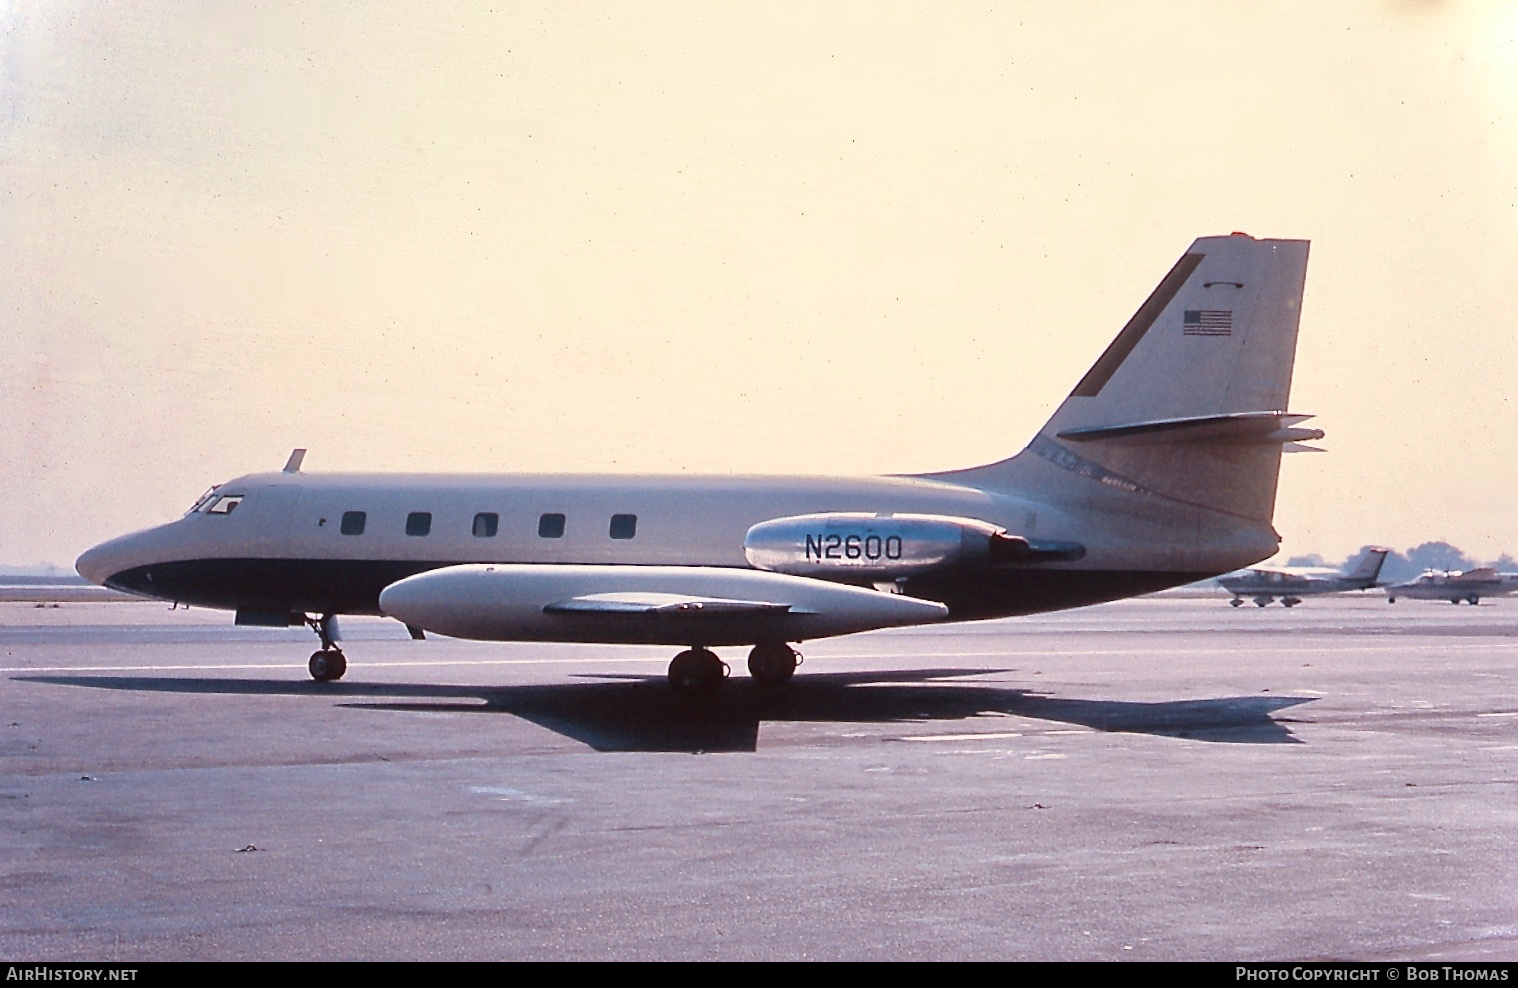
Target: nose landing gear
[(328, 664)]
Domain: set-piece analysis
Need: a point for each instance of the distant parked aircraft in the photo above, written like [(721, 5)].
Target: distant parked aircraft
[(1469, 586), (1291, 585)]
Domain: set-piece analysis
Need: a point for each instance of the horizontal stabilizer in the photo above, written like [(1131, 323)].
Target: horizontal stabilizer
[(1235, 427), (664, 604)]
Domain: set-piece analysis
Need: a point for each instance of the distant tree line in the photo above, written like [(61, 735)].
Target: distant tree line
[(1413, 563)]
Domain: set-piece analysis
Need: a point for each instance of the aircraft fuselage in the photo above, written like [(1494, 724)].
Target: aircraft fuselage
[(331, 543)]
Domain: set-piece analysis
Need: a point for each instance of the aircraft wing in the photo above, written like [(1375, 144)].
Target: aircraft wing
[(1264, 581)]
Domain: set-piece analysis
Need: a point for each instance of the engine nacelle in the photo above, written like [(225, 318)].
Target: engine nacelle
[(867, 547)]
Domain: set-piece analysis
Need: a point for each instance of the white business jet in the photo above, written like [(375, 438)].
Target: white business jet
[(1159, 469)]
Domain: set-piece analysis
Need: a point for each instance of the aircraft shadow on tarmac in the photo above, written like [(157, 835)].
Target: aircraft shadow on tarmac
[(640, 713)]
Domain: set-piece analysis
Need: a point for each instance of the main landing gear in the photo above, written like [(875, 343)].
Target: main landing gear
[(328, 664), (773, 664), (697, 671)]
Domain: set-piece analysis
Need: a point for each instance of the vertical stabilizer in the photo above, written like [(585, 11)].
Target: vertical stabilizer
[(1218, 335), (1369, 566), (1188, 403)]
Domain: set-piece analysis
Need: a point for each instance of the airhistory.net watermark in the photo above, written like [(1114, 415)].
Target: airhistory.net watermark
[(60, 972)]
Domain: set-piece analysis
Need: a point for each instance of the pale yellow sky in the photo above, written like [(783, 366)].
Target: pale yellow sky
[(863, 238)]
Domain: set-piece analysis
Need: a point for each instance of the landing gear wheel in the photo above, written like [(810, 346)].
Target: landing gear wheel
[(1473, 601), (696, 672), (1291, 601), (327, 665), (771, 665), (1262, 602), (1236, 602)]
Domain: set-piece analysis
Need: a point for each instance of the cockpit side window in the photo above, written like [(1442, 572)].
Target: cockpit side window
[(225, 504)]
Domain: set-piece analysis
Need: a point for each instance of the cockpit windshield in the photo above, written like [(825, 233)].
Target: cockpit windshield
[(204, 499), (213, 502)]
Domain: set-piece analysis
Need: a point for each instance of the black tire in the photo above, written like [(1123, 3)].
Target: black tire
[(772, 664), (327, 665), (696, 672)]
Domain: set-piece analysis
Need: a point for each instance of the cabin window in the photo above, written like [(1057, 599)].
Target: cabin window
[(226, 505), (419, 523), (551, 526), (353, 522), (485, 524), (624, 526)]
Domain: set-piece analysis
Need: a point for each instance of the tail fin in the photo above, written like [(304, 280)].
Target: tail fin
[(1188, 402), (1369, 567)]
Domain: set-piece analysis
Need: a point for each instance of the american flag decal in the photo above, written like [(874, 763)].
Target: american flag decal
[(1207, 322)]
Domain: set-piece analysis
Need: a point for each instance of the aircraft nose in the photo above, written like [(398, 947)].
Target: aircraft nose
[(108, 559)]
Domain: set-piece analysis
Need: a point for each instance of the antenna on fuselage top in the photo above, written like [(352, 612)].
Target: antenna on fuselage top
[(292, 465)]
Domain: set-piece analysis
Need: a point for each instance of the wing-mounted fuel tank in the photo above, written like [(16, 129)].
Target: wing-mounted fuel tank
[(865, 547)]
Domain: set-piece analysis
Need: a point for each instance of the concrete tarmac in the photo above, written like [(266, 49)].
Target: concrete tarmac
[(1167, 778)]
